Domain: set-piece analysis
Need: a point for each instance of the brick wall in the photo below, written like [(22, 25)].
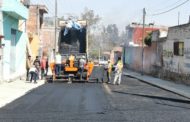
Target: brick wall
[(32, 20)]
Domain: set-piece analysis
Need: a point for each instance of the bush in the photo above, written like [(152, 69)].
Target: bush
[(148, 39)]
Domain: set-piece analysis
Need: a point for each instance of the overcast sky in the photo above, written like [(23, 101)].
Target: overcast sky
[(123, 12)]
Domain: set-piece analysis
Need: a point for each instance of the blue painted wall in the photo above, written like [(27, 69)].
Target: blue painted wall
[(14, 59)]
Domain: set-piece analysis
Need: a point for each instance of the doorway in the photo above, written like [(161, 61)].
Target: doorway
[(13, 52)]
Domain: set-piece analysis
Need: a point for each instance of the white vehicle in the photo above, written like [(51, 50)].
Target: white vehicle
[(103, 62)]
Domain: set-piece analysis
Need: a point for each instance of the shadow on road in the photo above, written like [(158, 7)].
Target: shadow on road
[(156, 97), (164, 104)]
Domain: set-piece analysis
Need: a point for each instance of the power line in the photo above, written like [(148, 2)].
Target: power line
[(161, 3), (168, 6), (156, 14)]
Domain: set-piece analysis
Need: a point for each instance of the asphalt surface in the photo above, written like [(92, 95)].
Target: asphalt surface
[(97, 102), (141, 102)]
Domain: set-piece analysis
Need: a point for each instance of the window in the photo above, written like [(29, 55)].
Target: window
[(179, 48)]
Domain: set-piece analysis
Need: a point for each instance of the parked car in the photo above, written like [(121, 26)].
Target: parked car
[(103, 62)]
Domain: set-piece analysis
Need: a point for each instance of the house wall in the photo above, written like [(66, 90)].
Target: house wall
[(178, 66), (133, 58), (14, 54), (32, 21), (35, 46), (115, 53), (48, 37), (18, 53), (1, 49), (7, 25), (34, 28)]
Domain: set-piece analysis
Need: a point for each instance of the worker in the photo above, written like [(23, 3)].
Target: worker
[(28, 66), (47, 66), (71, 60), (58, 63), (34, 73), (82, 63), (71, 57), (43, 66), (37, 65), (52, 61), (118, 72), (109, 71)]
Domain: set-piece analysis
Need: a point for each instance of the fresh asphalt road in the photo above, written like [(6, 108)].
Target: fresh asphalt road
[(96, 102)]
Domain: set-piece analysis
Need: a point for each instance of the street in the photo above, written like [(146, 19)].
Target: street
[(133, 100), (58, 61)]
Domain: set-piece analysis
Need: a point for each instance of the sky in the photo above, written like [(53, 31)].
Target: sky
[(123, 12)]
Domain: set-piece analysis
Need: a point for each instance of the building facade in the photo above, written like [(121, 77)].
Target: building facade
[(146, 59), (135, 31), (13, 15), (176, 53), (34, 29)]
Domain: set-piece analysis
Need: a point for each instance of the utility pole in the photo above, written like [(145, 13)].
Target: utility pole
[(87, 53), (55, 46), (99, 55), (144, 14), (178, 17)]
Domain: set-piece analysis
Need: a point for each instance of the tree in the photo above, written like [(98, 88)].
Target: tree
[(148, 39), (113, 33), (92, 22), (90, 16)]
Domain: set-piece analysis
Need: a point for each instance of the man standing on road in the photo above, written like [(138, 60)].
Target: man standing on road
[(28, 66), (118, 72), (43, 66), (47, 66), (37, 65), (57, 64), (109, 70), (82, 63)]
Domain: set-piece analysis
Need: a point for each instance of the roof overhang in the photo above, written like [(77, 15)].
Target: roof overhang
[(15, 9)]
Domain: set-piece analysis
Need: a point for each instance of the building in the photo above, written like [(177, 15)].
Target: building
[(13, 46), (147, 59), (34, 29), (115, 54), (48, 38), (176, 53), (135, 31)]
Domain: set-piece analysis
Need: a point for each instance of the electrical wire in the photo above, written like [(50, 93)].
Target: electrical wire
[(156, 14), (168, 6)]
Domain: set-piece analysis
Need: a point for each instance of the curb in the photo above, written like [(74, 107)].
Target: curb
[(19, 95), (170, 89)]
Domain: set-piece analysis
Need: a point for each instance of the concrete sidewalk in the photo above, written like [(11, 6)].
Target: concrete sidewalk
[(179, 89), (11, 91)]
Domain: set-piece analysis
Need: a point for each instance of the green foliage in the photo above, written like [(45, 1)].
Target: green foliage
[(148, 39)]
